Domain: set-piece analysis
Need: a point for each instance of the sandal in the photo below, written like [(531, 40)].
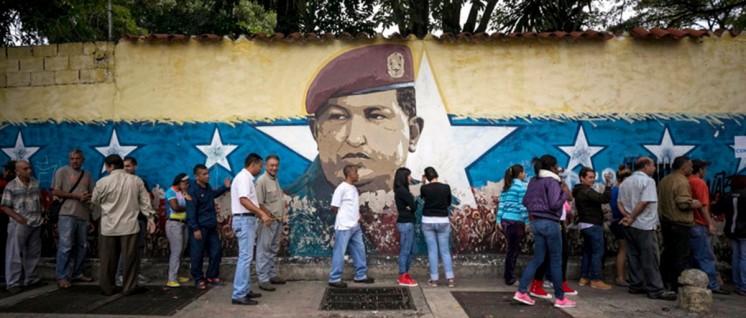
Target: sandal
[(451, 283), (64, 283), (201, 285), (83, 278)]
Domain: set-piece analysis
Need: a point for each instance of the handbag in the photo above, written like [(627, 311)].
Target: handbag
[(54, 210)]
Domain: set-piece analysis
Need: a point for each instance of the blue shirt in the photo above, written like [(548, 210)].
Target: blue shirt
[(200, 209), (511, 203), (613, 204)]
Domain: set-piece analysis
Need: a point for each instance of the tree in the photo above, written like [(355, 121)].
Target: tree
[(708, 14)]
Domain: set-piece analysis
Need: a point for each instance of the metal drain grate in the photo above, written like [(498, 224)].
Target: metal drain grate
[(370, 298)]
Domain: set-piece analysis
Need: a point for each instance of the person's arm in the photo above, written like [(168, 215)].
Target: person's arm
[(225, 187), (191, 213), (174, 204), (683, 197), (336, 200), (58, 192), (597, 197), (410, 202), (15, 216), (556, 196), (501, 209)]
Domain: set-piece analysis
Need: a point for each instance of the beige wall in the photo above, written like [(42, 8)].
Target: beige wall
[(233, 81)]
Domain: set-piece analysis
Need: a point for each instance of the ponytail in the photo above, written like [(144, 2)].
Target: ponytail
[(513, 172)]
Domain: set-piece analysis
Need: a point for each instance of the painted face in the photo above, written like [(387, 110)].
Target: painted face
[(589, 179), (75, 160), (272, 166), (202, 176), (23, 169), (129, 167), (370, 131)]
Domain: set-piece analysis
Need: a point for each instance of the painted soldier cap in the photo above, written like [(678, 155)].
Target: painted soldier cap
[(363, 70)]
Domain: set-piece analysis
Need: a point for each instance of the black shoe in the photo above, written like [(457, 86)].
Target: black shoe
[(14, 290), (277, 281), (266, 286), (666, 295), (636, 291), (252, 294), (721, 291), (339, 284), (244, 301), (367, 280)]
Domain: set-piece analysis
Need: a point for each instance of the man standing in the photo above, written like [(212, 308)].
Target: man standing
[(245, 206), (122, 196), (9, 173), (130, 166), (638, 203), (270, 196), (704, 227), (21, 202), (203, 227), (72, 226), (675, 210), (345, 203)]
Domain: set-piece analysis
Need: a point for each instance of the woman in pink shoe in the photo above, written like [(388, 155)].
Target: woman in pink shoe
[(545, 198)]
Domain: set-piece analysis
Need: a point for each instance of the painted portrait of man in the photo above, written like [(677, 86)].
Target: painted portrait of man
[(363, 112)]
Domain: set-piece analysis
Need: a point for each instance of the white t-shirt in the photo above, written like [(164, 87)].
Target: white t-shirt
[(347, 199), (243, 187)]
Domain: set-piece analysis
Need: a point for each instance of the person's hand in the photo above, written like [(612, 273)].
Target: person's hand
[(21, 220), (499, 226), (712, 229), (267, 220), (528, 228), (627, 221), (151, 226), (565, 188), (84, 196), (227, 182), (198, 235), (696, 204)]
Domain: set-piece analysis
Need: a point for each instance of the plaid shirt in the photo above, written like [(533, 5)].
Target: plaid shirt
[(24, 200)]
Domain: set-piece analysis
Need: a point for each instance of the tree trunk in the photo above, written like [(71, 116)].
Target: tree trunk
[(486, 16)]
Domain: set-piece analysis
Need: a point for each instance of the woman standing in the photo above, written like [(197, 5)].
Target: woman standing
[(436, 227), (176, 229), (545, 197), (512, 217), (588, 202), (405, 206), (618, 229)]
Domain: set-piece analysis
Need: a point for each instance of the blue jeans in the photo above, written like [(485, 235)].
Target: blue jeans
[(71, 247), (406, 243), (245, 229), (702, 256), (547, 239), (211, 242), (593, 252), (351, 241), (437, 237), (739, 263)]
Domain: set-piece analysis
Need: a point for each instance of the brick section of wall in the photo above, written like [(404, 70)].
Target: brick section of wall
[(57, 64)]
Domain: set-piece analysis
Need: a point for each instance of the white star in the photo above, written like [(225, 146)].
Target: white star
[(449, 149), (667, 151), (20, 151), (114, 148), (216, 152), (581, 152), (741, 161)]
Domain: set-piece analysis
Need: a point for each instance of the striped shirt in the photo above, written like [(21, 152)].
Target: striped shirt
[(511, 203), (24, 200)]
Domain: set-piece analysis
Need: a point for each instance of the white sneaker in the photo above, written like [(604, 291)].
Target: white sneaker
[(119, 280)]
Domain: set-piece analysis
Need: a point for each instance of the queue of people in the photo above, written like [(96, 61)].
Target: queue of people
[(679, 207)]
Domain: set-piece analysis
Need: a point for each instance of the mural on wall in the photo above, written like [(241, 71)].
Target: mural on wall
[(379, 107)]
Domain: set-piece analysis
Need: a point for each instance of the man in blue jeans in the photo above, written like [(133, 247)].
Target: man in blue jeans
[(72, 226), (347, 232), (245, 207), (203, 227), (704, 227)]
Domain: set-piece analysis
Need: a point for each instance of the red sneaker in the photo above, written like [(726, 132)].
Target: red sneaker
[(537, 291), (568, 290), (405, 280)]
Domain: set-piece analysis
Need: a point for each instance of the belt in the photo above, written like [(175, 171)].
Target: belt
[(177, 220), (244, 214)]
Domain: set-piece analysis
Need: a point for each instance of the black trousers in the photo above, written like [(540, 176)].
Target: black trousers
[(676, 252)]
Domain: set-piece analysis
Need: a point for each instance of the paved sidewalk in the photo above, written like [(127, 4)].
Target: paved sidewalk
[(302, 299)]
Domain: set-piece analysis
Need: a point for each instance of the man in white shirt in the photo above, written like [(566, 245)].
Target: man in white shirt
[(245, 207), (345, 203)]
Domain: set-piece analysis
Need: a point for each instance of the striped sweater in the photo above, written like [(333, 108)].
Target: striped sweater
[(511, 203)]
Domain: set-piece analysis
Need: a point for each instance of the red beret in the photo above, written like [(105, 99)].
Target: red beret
[(363, 70)]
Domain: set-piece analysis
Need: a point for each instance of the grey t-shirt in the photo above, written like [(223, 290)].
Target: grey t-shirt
[(64, 179), (270, 195)]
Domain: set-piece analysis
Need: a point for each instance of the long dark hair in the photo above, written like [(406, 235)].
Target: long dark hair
[(546, 162), (511, 174), (401, 178), (178, 178)]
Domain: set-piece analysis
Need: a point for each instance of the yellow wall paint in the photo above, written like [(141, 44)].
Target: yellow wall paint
[(232, 81)]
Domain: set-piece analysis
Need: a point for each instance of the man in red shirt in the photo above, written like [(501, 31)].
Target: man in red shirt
[(704, 227)]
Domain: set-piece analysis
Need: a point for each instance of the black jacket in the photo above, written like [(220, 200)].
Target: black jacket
[(733, 205), (588, 203), (405, 205)]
